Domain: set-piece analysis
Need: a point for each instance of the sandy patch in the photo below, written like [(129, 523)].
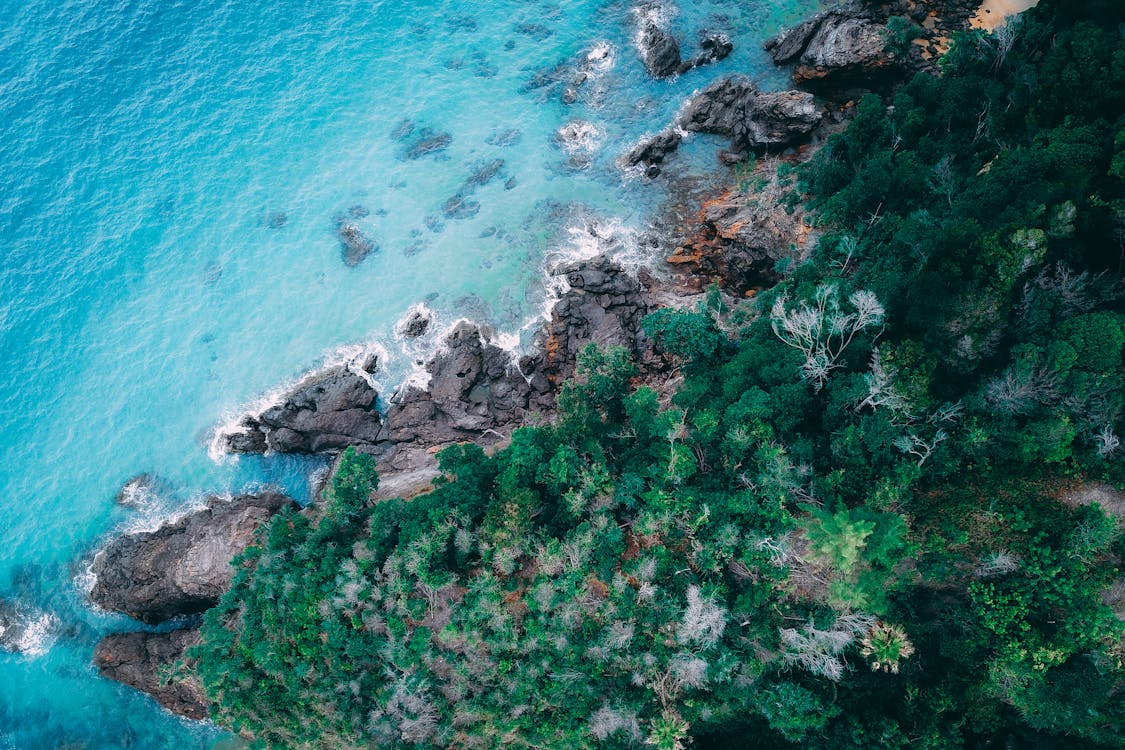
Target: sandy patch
[(993, 13)]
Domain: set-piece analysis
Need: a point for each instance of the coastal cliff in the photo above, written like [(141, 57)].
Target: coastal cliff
[(475, 390)]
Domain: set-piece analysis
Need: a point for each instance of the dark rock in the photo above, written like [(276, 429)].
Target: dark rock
[(473, 387), (741, 240), (359, 211), (735, 107), (653, 150), (415, 324), (604, 305), (476, 391), (183, 567), (660, 51), (714, 47), (327, 411), (780, 118), (277, 219), (730, 158), (838, 44), (510, 183), (355, 246), (149, 661)]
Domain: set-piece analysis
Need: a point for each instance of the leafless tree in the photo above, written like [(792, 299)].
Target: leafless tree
[(822, 331)]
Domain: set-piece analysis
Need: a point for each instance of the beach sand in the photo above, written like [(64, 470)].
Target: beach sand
[(993, 13)]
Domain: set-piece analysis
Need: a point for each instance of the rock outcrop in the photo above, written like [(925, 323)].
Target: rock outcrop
[(653, 150), (712, 48), (753, 120), (474, 387), (184, 567), (326, 411), (148, 662), (835, 47), (660, 51), (604, 305), (744, 238), (477, 392), (415, 325)]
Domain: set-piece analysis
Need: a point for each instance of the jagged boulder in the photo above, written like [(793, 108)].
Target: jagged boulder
[(837, 44), (148, 662), (660, 51), (753, 120), (741, 239), (184, 567), (653, 150), (327, 411), (474, 387), (604, 305)]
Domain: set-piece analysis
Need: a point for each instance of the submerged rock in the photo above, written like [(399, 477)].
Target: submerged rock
[(149, 661), (327, 411), (462, 205), (139, 491), (420, 142), (355, 246), (183, 567)]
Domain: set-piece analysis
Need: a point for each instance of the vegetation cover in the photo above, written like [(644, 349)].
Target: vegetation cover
[(846, 528)]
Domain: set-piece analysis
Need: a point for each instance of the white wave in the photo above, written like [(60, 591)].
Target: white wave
[(580, 137), (350, 357), (407, 364), (600, 58), (165, 510), (645, 14), (418, 309), (85, 579), (39, 635)]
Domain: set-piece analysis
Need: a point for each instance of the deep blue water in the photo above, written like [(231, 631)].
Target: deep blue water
[(171, 174)]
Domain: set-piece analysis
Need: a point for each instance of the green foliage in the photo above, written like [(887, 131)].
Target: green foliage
[(353, 484)]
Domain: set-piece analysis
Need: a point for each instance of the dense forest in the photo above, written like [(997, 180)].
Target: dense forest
[(878, 511)]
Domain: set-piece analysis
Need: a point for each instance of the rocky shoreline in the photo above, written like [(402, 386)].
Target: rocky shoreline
[(477, 390)]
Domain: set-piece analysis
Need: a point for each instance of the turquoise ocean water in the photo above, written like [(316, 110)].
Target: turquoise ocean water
[(172, 170)]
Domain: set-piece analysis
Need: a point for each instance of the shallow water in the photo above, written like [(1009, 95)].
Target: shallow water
[(173, 175)]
